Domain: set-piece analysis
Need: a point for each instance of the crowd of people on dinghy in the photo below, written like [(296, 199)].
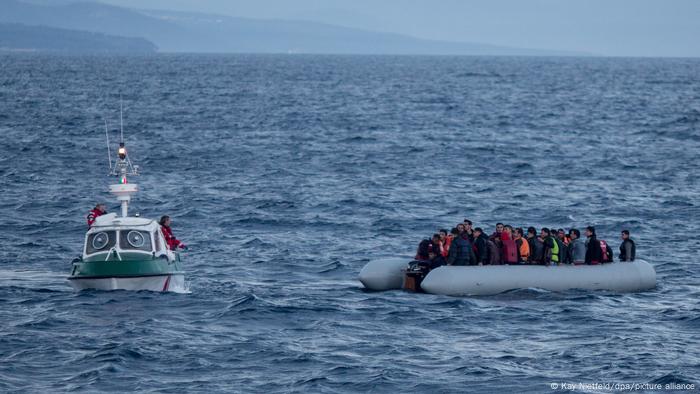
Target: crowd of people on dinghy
[(165, 223), (468, 245)]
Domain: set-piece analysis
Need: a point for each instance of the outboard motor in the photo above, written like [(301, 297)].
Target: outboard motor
[(414, 275)]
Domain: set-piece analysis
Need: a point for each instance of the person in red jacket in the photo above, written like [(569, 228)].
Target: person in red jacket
[(173, 243), (446, 240), (99, 210)]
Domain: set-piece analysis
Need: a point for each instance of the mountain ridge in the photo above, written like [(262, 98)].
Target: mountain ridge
[(173, 31)]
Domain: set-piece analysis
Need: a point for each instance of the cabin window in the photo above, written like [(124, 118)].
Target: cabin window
[(101, 242), (135, 240)]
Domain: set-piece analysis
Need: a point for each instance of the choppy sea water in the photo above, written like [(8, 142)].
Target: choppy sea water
[(286, 174)]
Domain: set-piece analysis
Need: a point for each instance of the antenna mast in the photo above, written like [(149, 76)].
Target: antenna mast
[(121, 118), (123, 167), (109, 154)]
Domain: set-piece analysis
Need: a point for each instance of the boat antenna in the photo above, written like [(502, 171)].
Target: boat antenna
[(109, 154), (121, 118)]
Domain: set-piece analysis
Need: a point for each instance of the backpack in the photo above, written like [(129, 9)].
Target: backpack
[(606, 254), (510, 251)]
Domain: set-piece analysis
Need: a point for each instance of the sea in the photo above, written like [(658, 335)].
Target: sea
[(286, 174)]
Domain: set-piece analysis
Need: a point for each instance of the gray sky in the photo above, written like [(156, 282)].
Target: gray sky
[(605, 27)]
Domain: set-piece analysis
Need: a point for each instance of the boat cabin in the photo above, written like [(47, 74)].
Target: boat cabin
[(125, 238)]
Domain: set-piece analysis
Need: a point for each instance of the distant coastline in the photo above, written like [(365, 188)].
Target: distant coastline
[(15, 37), (92, 27)]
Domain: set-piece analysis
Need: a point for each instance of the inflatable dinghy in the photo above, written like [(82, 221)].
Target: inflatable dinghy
[(387, 274)]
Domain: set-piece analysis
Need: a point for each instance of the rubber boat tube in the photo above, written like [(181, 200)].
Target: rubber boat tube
[(494, 279), (384, 274), (387, 274)]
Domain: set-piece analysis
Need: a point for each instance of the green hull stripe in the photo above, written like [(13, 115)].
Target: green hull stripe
[(127, 268)]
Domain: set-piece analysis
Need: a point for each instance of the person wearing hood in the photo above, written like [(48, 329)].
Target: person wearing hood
[(594, 254)]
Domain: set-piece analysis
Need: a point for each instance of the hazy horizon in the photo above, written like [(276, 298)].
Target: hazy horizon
[(608, 28)]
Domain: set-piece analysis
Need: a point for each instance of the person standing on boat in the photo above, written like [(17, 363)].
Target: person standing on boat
[(481, 246), (496, 236), (577, 248), (468, 229), (536, 246), (627, 248), (594, 254), (461, 251), (173, 243), (96, 212), (446, 240), (523, 246)]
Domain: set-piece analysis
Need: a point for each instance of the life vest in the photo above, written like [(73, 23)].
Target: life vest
[(510, 251), (446, 246), (605, 252), (555, 250), (623, 251), (523, 249)]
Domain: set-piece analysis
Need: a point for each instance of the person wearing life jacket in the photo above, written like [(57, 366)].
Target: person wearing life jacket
[(173, 243), (594, 254), (627, 248), (509, 249), (436, 245), (577, 248), (481, 248), (508, 229), (96, 212), (523, 246), (563, 237), (551, 246), (435, 252), (461, 252), (446, 241), (536, 246)]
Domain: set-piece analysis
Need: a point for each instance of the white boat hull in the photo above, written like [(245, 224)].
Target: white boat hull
[(384, 274), (494, 279), (175, 283)]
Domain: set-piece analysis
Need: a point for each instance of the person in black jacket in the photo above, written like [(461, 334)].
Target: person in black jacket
[(627, 248), (461, 252), (594, 254), (536, 246), (481, 245)]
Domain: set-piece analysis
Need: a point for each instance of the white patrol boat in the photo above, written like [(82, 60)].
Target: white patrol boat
[(126, 252)]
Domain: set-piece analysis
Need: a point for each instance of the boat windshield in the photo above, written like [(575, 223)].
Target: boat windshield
[(135, 240), (101, 242)]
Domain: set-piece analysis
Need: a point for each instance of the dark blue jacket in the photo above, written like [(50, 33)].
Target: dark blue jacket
[(461, 252)]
